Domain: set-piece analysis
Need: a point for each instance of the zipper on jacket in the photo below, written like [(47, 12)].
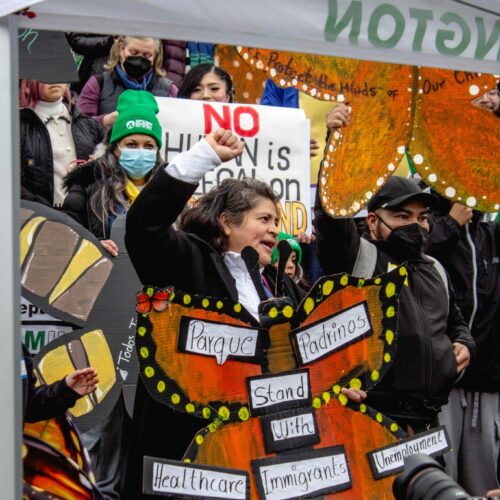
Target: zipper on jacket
[(474, 276), (428, 371)]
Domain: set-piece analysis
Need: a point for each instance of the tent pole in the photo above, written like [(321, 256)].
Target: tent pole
[(10, 345)]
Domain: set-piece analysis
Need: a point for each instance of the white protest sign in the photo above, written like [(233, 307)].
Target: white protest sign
[(390, 459), (316, 472), (276, 149), (337, 331), (217, 339)]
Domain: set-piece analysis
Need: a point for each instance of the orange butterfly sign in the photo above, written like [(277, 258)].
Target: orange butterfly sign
[(455, 137), (360, 157), (202, 356)]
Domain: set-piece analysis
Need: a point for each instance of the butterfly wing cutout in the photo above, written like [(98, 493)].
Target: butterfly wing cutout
[(455, 139), (55, 461)]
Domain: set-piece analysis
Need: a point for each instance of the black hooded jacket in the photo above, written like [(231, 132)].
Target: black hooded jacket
[(471, 256), (37, 163), (424, 368)]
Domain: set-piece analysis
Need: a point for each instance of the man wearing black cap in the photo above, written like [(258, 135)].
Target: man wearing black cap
[(434, 342)]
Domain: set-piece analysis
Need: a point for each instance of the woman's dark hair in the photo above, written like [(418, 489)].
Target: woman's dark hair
[(111, 196), (195, 76), (234, 197)]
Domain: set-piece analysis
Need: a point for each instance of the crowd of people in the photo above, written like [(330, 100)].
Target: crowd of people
[(93, 151)]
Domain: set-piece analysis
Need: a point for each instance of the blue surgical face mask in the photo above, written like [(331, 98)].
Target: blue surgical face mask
[(137, 162)]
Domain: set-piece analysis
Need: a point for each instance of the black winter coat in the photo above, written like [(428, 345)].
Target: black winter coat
[(81, 184), (37, 164), (471, 256), (95, 51), (163, 256), (424, 368)]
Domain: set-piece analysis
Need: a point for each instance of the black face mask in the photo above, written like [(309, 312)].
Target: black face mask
[(136, 66), (405, 242)]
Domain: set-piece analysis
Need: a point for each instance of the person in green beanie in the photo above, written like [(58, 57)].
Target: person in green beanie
[(103, 189), (293, 267)]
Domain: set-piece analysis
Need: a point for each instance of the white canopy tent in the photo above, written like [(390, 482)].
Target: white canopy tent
[(455, 34)]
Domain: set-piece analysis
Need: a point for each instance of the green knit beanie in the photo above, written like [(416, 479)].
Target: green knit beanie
[(137, 111), (293, 243)]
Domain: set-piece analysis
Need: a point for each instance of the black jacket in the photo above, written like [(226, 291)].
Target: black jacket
[(424, 369), (163, 256), (95, 51), (45, 401), (81, 184), (37, 164), (471, 256)]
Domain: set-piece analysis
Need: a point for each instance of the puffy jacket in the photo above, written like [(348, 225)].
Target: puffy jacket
[(424, 369), (471, 256), (111, 88), (37, 164)]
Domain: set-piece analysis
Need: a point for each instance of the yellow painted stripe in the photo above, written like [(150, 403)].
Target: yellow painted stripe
[(86, 255), (27, 233)]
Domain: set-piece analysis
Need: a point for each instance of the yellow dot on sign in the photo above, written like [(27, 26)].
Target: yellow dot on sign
[(187, 299), (355, 383), (175, 398), (387, 357), (212, 427), (141, 331), (288, 311), (144, 352), (361, 282), (326, 397), (403, 271), (377, 281), (190, 408), (344, 280), (205, 303), (199, 439), (150, 292), (187, 460), (336, 389), (362, 408), (390, 289), (389, 336), (374, 375), (379, 417), (343, 399), (327, 287), (390, 312), (224, 412), (243, 413), (237, 308), (149, 371), (273, 312), (308, 305), (160, 386), (219, 304), (172, 296), (316, 403), (206, 412), (394, 427)]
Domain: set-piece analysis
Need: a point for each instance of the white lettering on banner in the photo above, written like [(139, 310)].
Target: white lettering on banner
[(220, 341), (293, 427), (407, 27), (390, 459), (319, 474), (276, 149), (200, 482), (279, 390), (325, 337)]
